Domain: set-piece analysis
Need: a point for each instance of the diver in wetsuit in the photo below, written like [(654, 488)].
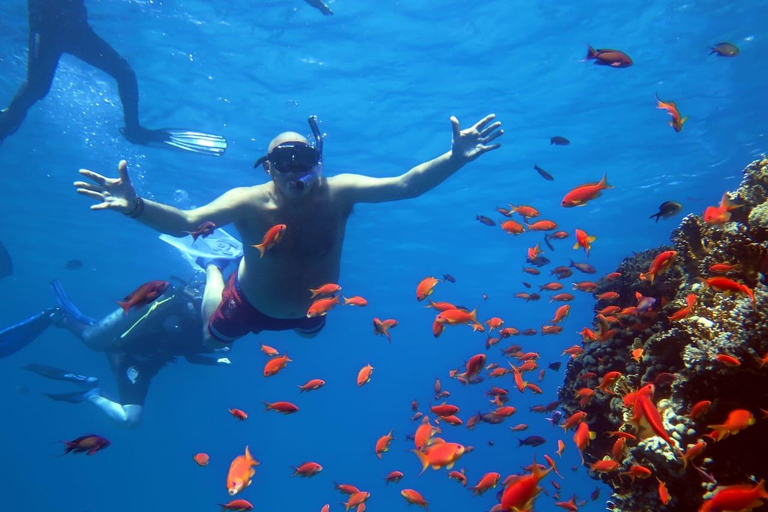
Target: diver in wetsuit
[(137, 346), (61, 26)]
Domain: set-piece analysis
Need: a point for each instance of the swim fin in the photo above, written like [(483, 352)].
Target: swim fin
[(218, 246), (6, 265), (186, 140), (74, 397), (18, 336), (67, 306), (57, 374)]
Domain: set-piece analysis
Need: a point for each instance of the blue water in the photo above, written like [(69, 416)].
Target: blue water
[(383, 77)]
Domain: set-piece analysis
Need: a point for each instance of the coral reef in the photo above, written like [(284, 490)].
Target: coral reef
[(716, 351)]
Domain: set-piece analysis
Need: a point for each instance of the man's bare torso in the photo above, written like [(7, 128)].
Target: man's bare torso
[(308, 255)]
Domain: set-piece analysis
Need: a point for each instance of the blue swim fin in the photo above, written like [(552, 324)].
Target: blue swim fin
[(6, 265), (18, 336), (67, 306)]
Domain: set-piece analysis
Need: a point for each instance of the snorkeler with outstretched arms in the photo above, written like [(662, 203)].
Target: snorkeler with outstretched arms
[(137, 345), (271, 292), (61, 26)]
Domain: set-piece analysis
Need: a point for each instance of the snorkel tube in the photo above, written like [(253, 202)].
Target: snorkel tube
[(314, 174)]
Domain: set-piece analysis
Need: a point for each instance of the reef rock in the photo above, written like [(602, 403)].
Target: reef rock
[(684, 359)]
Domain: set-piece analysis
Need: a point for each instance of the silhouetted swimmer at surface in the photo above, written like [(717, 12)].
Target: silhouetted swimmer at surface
[(320, 6), (61, 26)]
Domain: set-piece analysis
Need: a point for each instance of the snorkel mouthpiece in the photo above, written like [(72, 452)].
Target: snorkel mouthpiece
[(305, 181)]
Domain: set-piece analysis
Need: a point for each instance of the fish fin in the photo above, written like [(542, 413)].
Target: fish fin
[(423, 459), (260, 247), (591, 53), (604, 183), (576, 245), (449, 466), (592, 239)]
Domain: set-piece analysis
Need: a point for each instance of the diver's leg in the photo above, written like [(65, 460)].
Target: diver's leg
[(91, 48), (128, 416), (42, 60), (214, 287), (133, 378)]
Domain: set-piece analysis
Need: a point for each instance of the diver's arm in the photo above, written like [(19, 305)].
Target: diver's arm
[(119, 194), (467, 146)]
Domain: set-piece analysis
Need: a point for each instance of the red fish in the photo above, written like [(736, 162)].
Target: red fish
[(487, 481), (382, 444), (699, 409), (524, 210), (582, 437), (512, 227), (143, 295), (355, 301), (89, 444), (237, 505), (608, 57), (736, 497), (271, 352), (238, 414), (364, 375), (414, 498), (459, 476), (582, 194), (283, 407), (276, 364), (723, 284), (584, 241), (520, 492), (202, 459), (393, 476), (321, 307), (722, 268), (721, 214), (677, 121), (326, 289), (241, 472), (382, 327), (426, 287), (660, 264), (542, 225), (271, 237), (307, 470), (357, 499), (737, 420), (312, 385), (203, 230)]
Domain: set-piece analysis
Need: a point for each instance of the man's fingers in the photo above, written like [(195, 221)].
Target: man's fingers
[(122, 171), (100, 206), (88, 186), (489, 129), (93, 195), (486, 140), (481, 123), (98, 178), (485, 149), (455, 127)]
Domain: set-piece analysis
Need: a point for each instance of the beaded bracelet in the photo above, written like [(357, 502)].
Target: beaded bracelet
[(138, 209)]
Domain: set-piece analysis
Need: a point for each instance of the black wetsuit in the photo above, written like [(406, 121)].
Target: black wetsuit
[(57, 27), (173, 330)]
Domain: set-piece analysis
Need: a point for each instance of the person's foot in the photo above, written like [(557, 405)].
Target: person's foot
[(139, 135), (75, 397)]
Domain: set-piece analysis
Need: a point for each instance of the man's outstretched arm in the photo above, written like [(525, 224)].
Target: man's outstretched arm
[(118, 194), (467, 146)]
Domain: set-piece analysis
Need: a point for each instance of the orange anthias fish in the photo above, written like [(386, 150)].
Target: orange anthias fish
[(357, 499), (584, 240), (321, 307), (459, 476), (271, 237), (276, 364), (283, 407), (271, 352), (534, 251), (203, 230), (382, 327), (720, 214), (414, 498), (487, 481), (364, 375), (736, 497), (240, 472), (393, 476), (426, 287), (582, 194), (661, 263), (307, 470), (326, 289), (542, 225), (440, 455), (520, 492), (236, 505), (737, 420), (524, 210), (355, 301), (608, 57), (677, 121), (723, 284), (239, 414), (143, 295), (582, 437), (202, 459), (512, 227), (312, 385), (382, 444), (681, 313)]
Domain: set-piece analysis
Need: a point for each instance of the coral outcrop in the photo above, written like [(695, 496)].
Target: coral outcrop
[(717, 352)]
